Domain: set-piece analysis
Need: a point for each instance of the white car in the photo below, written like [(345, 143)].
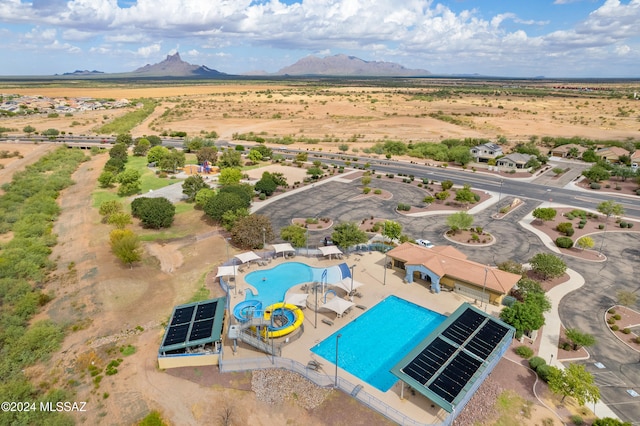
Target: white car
[(424, 243)]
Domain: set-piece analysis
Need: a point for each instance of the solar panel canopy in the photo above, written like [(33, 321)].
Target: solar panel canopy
[(194, 324), (446, 365)]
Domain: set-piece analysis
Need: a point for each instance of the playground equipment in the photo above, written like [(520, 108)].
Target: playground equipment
[(284, 317)]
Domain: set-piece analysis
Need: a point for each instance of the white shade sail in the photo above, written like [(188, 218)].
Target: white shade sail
[(346, 285), (298, 299), (225, 271), (329, 250), (247, 257), (338, 305)]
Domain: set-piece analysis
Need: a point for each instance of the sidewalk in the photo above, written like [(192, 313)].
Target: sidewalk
[(551, 331)]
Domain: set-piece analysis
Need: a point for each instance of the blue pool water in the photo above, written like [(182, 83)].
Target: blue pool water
[(272, 284), (375, 341)]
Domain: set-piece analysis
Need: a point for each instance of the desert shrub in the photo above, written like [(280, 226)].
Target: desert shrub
[(638, 191), (611, 311), (390, 175), (577, 420), (565, 228), (637, 339), (611, 320), (595, 185), (623, 224), (601, 226), (404, 207), (617, 317), (536, 362), (262, 196), (564, 242), (629, 225), (581, 226), (615, 327), (524, 351), (366, 190), (626, 330), (543, 371)]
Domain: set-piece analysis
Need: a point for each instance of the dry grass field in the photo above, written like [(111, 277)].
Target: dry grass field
[(327, 116), (107, 306)]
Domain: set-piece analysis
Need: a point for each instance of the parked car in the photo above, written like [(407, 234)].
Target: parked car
[(326, 241), (424, 243)]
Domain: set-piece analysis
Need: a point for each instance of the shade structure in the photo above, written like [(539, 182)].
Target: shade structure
[(338, 305), (329, 250), (298, 299), (247, 257), (283, 248), (347, 286), (225, 271)]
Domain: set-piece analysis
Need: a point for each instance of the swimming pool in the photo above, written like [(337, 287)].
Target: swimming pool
[(272, 284), (375, 341)]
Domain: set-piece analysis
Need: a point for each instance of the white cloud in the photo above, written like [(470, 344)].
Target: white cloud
[(147, 51), (622, 50)]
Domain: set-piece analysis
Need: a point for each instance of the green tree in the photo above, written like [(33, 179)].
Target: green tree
[(230, 159), (230, 217), (460, 220), (610, 208), (192, 185), (524, 317), (141, 147), (545, 213), (110, 207), (266, 184), (294, 234), (155, 140), (465, 195), (365, 180), (119, 151), (172, 161), (343, 147), (265, 151), (589, 156), (596, 173), (120, 220), (192, 144), (114, 165), (126, 246), (608, 421), (574, 381), (28, 130), (157, 153), (548, 265), (460, 154), (154, 213), (525, 287), (446, 185), (511, 266), (207, 153), (202, 197), (301, 157), (252, 232), (579, 339), (124, 138), (51, 133), (106, 179), (348, 234), (255, 156), (222, 202), (229, 176), (585, 242), (129, 182), (392, 229)]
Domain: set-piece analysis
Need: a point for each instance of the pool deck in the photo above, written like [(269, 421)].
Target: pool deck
[(369, 269)]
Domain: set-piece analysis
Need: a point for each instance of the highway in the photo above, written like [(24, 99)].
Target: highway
[(483, 180)]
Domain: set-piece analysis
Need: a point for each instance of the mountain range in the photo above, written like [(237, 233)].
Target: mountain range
[(336, 66)]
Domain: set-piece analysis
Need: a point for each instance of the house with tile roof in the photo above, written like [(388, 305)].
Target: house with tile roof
[(611, 154), (515, 160), (447, 268)]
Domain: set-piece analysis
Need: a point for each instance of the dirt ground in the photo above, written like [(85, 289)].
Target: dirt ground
[(107, 306)]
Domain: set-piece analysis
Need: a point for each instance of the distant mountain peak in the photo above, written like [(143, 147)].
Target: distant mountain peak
[(174, 66), (344, 65)]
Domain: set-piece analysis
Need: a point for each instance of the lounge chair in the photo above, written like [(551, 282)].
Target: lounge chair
[(313, 365), (364, 308), (326, 321)]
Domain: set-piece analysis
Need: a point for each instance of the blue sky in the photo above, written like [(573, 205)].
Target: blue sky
[(552, 38)]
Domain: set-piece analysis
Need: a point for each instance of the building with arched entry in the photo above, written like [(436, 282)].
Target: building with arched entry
[(446, 268)]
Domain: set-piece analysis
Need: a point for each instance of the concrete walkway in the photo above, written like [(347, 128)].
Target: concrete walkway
[(550, 338)]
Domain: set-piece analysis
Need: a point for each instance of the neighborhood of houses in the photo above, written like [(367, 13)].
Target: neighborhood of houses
[(18, 104)]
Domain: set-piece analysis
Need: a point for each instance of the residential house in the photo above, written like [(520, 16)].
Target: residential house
[(611, 154), (446, 267), (483, 153), (515, 160), (635, 159), (563, 150)]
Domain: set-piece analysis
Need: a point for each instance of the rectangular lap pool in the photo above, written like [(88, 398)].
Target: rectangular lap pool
[(375, 341)]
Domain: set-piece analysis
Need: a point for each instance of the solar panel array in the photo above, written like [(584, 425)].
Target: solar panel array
[(191, 324), (449, 362)]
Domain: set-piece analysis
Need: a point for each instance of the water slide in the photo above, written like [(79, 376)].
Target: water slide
[(290, 315), (247, 309)]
